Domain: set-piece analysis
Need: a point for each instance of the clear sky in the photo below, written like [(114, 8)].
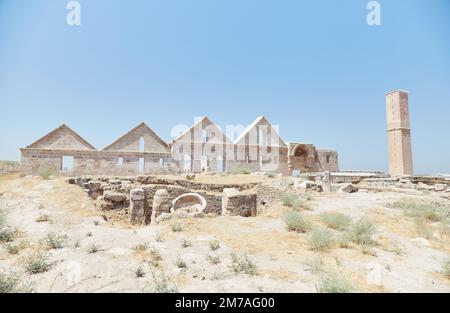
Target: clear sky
[(315, 68)]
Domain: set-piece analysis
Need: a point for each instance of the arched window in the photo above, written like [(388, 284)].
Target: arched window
[(300, 151)]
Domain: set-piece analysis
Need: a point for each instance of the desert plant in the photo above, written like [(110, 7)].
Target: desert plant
[(161, 284), (15, 248), (293, 201), (55, 241), (96, 223), (180, 263), (93, 248), (431, 211), (422, 228), (270, 174), (213, 259), (37, 263), (361, 232), (336, 220), (186, 243), (155, 257), (11, 282), (241, 170), (7, 234), (89, 234), (321, 239), (139, 272), (315, 265), (43, 218), (176, 227), (141, 247), (242, 264), (45, 174), (334, 283), (344, 239), (296, 222), (214, 245)]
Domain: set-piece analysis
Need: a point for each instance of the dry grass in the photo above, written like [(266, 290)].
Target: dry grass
[(336, 220), (321, 239), (295, 221)]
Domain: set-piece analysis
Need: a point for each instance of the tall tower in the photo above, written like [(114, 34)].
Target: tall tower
[(398, 133)]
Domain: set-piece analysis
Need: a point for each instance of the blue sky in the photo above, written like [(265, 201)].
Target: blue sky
[(313, 67)]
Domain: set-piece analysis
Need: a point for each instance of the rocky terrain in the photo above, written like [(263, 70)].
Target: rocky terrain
[(55, 239)]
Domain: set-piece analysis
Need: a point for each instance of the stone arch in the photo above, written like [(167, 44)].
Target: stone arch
[(189, 201), (300, 151), (187, 164)]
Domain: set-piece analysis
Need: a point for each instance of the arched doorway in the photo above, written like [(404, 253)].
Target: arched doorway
[(187, 165)]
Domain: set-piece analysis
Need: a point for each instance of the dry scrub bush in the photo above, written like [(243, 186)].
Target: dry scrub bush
[(161, 284), (55, 241), (334, 283), (361, 232), (214, 245), (37, 263), (296, 222), (321, 239), (11, 282), (242, 264), (336, 220)]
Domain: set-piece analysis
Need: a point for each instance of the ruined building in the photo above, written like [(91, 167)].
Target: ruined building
[(398, 133), (202, 147)]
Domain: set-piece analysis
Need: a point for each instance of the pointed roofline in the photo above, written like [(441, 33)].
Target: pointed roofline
[(253, 124), (198, 122), (143, 124), (62, 127)]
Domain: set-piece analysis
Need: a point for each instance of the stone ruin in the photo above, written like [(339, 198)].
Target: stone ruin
[(143, 200)]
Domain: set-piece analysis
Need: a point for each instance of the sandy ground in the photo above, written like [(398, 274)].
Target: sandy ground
[(398, 262)]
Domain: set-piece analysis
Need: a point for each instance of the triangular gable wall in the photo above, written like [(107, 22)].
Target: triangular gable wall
[(194, 133), (251, 134), (62, 138), (131, 141)]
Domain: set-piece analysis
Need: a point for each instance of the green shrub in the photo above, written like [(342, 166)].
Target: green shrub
[(13, 283), (293, 201), (55, 241), (334, 283), (214, 245), (431, 211), (213, 259), (176, 227), (422, 228), (7, 234), (180, 263), (155, 257), (139, 272), (321, 239), (296, 222), (93, 248), (361, 232), (336, 220), (243, 264), (15, 248), (186, 243), (37, 263), (45, 174), (161, 284)]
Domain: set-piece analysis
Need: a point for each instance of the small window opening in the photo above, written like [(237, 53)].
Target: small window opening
[(67, 164)]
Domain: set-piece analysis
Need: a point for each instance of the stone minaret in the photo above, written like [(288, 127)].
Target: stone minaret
[(398, 133)]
